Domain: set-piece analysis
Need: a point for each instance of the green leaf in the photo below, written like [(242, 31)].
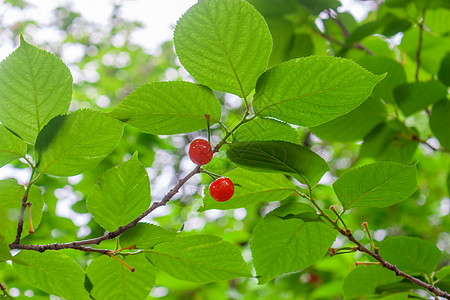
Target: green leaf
[(112, 280), (444, 70), (380, 184), (415, 96), (224, 45), (363, 280), (251, 188), (121, 195), (316, 6), (287, 44), (411, 255), (262, 129), (11, 146), (145, 235), (354, 125), (312, 90), (36, 86), (438, 20), (199, 258), (11, 195), (274, 8), (169, 107), (443, 273), (4, 250), (54, 273), (280, 245), (440, 122), (71, 144), (391, 141), (433, 48), (395, 75), (278, 156)]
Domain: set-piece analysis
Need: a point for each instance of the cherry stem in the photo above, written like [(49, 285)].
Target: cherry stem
[(333, 209), (212, 175), (368, 263), (111, 254), (366, 228), (126, 248), (30, 222), (207, 117)]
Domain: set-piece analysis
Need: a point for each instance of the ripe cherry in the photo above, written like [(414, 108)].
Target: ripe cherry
[(200, 152), (221, 189)]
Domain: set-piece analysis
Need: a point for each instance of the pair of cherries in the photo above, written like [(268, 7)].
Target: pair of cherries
[(200, 152)]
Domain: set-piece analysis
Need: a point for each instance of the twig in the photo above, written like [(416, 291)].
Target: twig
[(419, 47), (5, 292), (436, 291), (22, 209)]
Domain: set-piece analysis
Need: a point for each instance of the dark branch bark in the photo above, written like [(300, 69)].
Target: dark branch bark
[(79, 245), (432, 289), (22, 212)]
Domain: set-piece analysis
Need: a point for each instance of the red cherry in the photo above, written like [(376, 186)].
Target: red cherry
[(221, 189), (200, 152)]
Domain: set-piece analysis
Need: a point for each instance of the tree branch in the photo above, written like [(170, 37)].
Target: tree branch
[(432, 289), (110, 235), (5, 292), (23, 207)]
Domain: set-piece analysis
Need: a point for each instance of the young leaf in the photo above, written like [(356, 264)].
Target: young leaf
[(391, 141), (313, 90), (168, 107), (224, 45), (199, 258), (278, 156), (11, 147), (380, 184), (251, 188), (145, 235), (415, 96), (285, 242), (440, 122), (11, 195), (112, 280), (410, 254), (262, 129), (71, 144), (54, 273), (36, 86), (354, 125), (121, 195), (363, 281)]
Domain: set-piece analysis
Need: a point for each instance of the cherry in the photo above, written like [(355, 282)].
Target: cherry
[(221, 189), (200, 152)]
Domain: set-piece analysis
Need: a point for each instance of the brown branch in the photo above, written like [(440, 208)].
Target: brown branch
[(5, 292), (432, 289), (22, 212), (79, 244), (57, 246)]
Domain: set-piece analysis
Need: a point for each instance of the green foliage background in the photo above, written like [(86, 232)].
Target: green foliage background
[(406, 113)]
